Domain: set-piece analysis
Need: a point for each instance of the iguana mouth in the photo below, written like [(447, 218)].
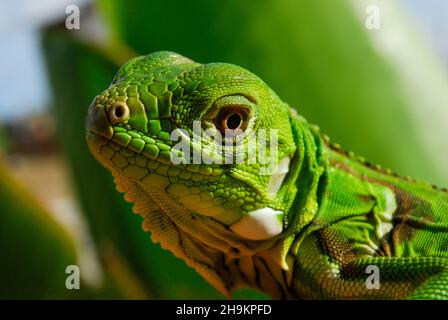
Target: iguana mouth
[(138, 151), (137, 154)]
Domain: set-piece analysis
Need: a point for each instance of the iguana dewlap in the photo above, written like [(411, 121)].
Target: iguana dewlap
[(302, 220)]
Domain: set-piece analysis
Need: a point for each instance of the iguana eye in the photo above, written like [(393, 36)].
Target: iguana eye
[(118, 112), (232, 118)]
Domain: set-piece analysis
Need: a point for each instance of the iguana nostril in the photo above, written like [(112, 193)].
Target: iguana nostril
[(98, 123), (118, 112)]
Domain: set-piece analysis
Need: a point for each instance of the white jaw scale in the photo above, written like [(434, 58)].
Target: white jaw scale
[(260, 224), (278, 176), (264, 223)]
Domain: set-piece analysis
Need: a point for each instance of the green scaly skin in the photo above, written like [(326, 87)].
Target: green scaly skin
[(341, 214)]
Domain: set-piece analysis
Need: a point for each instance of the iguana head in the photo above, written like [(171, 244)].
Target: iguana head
[(212, 139)]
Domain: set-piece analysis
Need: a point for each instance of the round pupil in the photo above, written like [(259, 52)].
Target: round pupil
[(233, 121), (119, 112)]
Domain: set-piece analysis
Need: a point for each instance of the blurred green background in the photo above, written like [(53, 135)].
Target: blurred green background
[(381, 92)]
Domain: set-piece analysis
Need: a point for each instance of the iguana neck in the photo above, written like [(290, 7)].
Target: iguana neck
[(308, 167)]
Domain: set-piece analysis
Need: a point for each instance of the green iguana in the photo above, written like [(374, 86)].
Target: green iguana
[(317, 225)]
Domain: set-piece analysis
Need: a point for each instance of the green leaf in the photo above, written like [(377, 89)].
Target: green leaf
[(35, 249)]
